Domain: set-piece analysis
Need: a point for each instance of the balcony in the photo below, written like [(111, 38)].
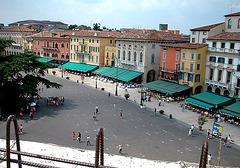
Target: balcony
[(133, 63), (169, 70), (224, 50), (50, 48), (219, 84)]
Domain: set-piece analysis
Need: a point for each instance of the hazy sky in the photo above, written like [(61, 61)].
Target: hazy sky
[(145, 14)]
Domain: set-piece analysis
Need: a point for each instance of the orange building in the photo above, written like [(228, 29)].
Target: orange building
[(170, 63)]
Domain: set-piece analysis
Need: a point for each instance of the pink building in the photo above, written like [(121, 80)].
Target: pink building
[(49, 44)]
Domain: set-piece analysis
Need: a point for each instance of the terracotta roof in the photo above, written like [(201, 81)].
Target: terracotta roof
[(23, 28), (233, 14), (206, 28), (184, 45), (94, 33), (149, 35), (234, 36)]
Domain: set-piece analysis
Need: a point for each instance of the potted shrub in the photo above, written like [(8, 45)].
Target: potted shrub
[(201, 122), (161, 111), (54, 72), (127, 96), (102, 89)]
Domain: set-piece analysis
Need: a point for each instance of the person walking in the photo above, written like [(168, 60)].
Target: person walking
[(21, 116), (79, 137), (109, 94), (120, 149), (114, 106), (208, 133), (209, 158), (225, 142), (31, 115), (88, 140), (229, 138), (21, 128), (121, 113), (190, 132), (159, 103), (94, 116), (192, 128), (162, 102), (96, 109), (155, 112), (73, 135)]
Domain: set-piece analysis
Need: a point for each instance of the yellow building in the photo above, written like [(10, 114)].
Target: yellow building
[(88, 46), (110, 56), (27, 43), (193, 65)]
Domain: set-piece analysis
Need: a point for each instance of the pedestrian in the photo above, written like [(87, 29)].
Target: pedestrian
[(108, 94), (190, 132), (21, 128), (209, 158), (159, 103), (225, 141), (79, 137), (192, 128), (121, 113), (88, 140), (229, 138), (120, 149), (96, 109), (114, 106), (183, 108), (73, 135), (155, 112), (94, 116), (21, 116), (208, 133), (162, 102), (31, 115)]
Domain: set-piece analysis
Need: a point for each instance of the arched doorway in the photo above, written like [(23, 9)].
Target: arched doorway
[(151, 76), (198, 89), (226, 93), (217, 90), (209, 89)]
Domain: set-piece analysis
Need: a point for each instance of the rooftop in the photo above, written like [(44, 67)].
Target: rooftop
[(23, 28), (39, 22), (233, 14), (206, 28), (232, 36), (185, 45)]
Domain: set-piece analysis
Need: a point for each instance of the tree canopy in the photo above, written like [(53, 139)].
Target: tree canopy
[(96, 26), (20, 77), (72, 27)]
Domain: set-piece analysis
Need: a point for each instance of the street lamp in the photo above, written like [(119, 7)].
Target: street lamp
[(116, 93), (96, 81)]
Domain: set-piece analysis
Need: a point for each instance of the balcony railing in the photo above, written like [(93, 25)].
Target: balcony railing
[(133, 63), (226, 50), (49, 48), (219, 84)]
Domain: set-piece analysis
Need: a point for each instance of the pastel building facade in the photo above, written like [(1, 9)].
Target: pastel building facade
[(110, 56)]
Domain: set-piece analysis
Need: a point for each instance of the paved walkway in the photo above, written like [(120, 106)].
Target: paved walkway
[(188, 116)]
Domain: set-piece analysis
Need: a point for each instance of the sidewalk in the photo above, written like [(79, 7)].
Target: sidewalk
[(189, 117)]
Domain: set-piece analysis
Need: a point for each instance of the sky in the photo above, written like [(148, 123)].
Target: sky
[(180, 15)]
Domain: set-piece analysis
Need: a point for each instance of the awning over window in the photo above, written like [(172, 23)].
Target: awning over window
[(41, 59), (199, 103), (232, 110), (78, 67), (118, 73), (166, 87)]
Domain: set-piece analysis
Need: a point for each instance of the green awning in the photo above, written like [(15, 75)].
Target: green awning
[(118, 73), (41, 59), (166, 87), (232, 110), (199, 103), (214, 99), (79, 67)]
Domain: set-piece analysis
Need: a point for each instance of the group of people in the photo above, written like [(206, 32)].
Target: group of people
[(79, 138), (55, 101), (190, 132)]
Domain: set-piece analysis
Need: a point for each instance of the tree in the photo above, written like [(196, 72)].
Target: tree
[(96, 26), (20, 77), (4, 44), (72, 27)]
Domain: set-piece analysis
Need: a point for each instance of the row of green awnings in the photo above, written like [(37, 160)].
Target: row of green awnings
[(42, 59), (166, 87), (232, 110), (199, 103), (118, 73), (79, 67)]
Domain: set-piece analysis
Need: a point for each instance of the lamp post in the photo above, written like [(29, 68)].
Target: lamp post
[(116, 93), (96, 81)]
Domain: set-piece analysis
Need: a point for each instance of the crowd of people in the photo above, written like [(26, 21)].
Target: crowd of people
[(55, 101)]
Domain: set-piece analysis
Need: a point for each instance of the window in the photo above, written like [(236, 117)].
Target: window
[(164, 66), (190, 77), (177, 57), (199, 56), (71, 47), (204, 40), (183, 66), (47, 43), (123, 55), (164, 49), (92, 40), (107, 62), (119, 45), (183, 55), (191, 67), (238, 24), (153, 46), (176, 67), (118, 54), (67, 45), (97, 40), (111, 41), (238, 68), (219, 75), (194, 33), (214, 44), (212, 59), (222, 45), (129, 55), (74, 41), (181, 76), (141, 57), (193, 40), (198, 66), (152, 58), (112, 55), (221, 60), (164, 55), (107, 55), (135, 56), (197, 78), (38, 43), (92, 58), (230, 61), (97, 59), (211, 74), (89, 58), (204, 32), (53, 44), (229, 23), (62, 45), (83, 41), (232, 45), (177, 50), (229, 74), (89, 40), (192, 56)]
